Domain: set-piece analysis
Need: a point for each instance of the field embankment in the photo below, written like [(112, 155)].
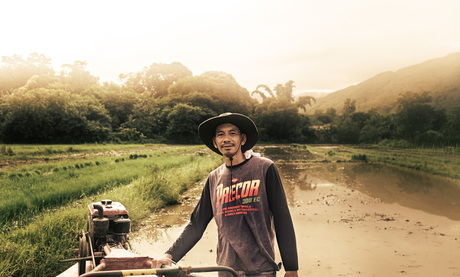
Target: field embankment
[(46, 190), (444, 162)]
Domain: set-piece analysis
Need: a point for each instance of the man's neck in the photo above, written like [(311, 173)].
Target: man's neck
[(237, 159)]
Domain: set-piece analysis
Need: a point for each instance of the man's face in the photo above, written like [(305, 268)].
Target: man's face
[(228, 139)]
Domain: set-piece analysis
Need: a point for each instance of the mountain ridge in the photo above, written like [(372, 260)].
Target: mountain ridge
[(440, 77)]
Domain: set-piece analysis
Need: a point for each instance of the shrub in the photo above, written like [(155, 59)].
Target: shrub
[(401, 143), (9, 151), (359, 157), (49, 151)]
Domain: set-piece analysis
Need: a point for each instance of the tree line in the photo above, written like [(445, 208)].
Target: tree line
[(415, 123), (166, 102)]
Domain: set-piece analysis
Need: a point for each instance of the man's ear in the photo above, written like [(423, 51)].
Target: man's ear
[(214, 142), (243, 141)]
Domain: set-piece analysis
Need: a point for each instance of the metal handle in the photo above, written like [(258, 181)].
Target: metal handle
[(173, 271)]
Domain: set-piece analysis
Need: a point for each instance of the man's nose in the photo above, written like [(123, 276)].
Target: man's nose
[(226, 138)]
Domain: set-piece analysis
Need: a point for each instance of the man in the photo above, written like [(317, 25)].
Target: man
[(246, 198)]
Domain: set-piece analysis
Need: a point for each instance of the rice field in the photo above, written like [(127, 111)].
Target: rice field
[(46, 190), (443, 162)]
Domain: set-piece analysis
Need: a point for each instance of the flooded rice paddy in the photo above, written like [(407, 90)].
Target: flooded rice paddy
[(350, 219)]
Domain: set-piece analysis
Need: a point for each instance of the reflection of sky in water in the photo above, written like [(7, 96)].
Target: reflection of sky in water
[(391, 184), (409, 188)]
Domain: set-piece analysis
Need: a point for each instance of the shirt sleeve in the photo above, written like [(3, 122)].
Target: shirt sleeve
[(284, 228), (192, 233)]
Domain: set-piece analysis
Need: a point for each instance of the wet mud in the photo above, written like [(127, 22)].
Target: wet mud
[(351, 219)]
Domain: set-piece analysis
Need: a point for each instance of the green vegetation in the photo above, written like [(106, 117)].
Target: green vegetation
[(443, 162), (44, 204), (415, 123), (165, 103)]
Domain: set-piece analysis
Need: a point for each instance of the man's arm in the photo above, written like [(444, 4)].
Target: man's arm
[(285, 234), (194, 230)]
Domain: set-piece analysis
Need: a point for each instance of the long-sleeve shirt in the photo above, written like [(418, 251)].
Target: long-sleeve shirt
[(249, 206)]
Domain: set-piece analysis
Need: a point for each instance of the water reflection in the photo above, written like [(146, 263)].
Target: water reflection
[(409, 188)]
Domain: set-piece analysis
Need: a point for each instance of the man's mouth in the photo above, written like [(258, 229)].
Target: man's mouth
[(228, 146)]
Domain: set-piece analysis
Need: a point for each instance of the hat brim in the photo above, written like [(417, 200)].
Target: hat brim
[(207, 130)]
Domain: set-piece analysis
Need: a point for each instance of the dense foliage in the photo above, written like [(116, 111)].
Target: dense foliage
[(165, 103)]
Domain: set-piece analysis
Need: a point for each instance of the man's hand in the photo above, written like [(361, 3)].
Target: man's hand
[(291, 274), (165, 260)]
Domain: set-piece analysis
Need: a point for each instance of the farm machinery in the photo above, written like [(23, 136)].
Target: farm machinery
[(104, 249)]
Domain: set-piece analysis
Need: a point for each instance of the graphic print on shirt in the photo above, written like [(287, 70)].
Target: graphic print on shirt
[(248, 191)]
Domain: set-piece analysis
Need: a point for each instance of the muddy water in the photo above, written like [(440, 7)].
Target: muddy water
[(409, 188), (412, 189), (306, 184)]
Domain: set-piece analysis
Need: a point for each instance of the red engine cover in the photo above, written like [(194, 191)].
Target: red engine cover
[(111, 209)]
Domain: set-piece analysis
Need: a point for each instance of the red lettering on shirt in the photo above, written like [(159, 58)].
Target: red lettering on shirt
[(236, 191)]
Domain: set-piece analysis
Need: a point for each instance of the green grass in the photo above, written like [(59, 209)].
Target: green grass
[(28, 190), (26, 155), (434, 161), (40, 230)]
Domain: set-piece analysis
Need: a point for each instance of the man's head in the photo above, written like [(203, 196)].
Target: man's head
[(221, 132), (228, 139)]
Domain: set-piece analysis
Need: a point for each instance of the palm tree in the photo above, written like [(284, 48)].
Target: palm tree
[(303, 101), (261, 93), (284, 92)]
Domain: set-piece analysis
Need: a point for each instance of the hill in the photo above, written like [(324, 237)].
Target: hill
[(439, 77), (316, 95)]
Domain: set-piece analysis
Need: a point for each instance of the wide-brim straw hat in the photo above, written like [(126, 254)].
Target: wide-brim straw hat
[(207, 129)]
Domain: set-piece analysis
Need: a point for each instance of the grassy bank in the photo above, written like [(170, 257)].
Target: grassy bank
[(40, 220), (27, 190), (435, 161)]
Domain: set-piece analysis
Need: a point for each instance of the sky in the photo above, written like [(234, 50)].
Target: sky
[(322, 45)]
